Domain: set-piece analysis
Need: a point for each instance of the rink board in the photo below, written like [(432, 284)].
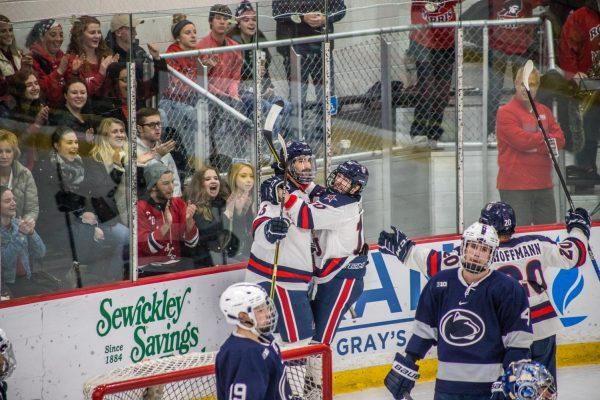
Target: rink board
[(61, 340)]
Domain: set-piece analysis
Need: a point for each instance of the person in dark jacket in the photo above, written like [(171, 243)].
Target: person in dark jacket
[(209, 195), (241, 207), (76, 204), (300, 18)]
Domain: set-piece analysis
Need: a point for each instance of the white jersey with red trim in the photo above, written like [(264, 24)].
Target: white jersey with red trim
[(336, 221), (524, 258)]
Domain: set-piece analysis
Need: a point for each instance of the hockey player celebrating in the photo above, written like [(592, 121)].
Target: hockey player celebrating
[(477, 317), (301, 170), (7, 363), (249, 364), (526, 257), (525, 380)]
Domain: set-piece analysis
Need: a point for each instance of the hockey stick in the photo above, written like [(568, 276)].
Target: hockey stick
[(526, 72), (267, 132)]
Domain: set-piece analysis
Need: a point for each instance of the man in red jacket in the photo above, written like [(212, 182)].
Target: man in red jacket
[(579, 57), (164, 221), (524, 165)]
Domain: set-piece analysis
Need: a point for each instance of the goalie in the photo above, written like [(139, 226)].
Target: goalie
[(249, 364)]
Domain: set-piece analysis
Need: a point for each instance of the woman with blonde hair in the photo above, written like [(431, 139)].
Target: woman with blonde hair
[(112, 150), (209, 195), (89, 55), (240, 208)]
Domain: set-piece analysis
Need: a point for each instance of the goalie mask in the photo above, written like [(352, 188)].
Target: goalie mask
[(7, 357), (499, 215), (526, 380), (479, 243), (301, 163), (252, 300), (349, 178)]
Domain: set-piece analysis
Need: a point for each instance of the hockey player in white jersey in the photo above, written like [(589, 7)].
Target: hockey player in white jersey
[(7, 363), (525, 258), (477, 317)]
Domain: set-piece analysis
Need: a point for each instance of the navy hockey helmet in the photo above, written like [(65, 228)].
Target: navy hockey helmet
[(501, 216), (527, 380), (295, 150), (356, 174)]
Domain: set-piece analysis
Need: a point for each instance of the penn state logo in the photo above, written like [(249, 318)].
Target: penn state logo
[(461, 327)]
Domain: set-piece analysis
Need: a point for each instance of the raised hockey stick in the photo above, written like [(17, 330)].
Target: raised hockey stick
[(526, 72), (267, 132)]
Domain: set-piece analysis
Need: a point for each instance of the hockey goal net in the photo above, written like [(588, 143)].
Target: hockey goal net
[(192, 376)]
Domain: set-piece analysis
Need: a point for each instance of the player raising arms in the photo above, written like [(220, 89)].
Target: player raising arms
[(478, 318), (249, 364), (526, 257)]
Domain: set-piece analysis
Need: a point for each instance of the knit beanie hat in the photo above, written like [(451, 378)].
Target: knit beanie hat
[(153, 172)]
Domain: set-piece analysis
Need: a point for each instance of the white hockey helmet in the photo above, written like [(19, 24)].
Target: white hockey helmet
[(7, 357), (251, 299), (479, 243)]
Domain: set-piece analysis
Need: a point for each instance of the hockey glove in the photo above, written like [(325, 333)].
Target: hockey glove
[(268, 189), (395, 243), (578, 218), (498, 392), (278, 169), (401, 378), (276, 229)]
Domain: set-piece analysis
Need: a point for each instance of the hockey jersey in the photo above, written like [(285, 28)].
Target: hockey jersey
[(579, 47), (248, 370), (479, 329), (524, 258)]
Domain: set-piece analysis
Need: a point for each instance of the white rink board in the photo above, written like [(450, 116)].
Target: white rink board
[(62, 342)]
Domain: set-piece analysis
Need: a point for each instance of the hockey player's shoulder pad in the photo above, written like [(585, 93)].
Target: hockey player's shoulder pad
[(515, 241), (336, 199)]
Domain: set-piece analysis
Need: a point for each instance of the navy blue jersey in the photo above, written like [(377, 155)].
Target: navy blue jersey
[(478, 329), (248, 370)]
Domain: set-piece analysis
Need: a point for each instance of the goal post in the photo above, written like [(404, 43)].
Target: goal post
[(192, 376)]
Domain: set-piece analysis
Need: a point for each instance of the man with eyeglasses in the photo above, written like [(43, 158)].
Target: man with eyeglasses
[(150, 149)]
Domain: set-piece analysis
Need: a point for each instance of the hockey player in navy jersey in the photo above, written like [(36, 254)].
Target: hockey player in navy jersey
[(249, 364), (478, 319), (526, 257), (7, 363)]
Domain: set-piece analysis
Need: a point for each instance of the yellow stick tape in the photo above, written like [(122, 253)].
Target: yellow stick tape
[(365, 378)]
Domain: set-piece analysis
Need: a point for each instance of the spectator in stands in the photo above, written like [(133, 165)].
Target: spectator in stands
[(20, 245), (578, 51), (89, 55), (17, 178), (524, 166), (209, 196), (11, 58), (23, 112), (246, 31), (224, 69), (76, 115), (433, 52), (111, 149), (45, 42), (150, 149), (122, 40), (509, 45), (300, 18), (164, 220), (240, 208), (76, 204)]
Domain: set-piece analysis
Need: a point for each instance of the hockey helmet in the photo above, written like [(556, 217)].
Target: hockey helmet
[(528, 380), (501, 216), (348, 176), (479, 243), (300, 151), (7, 357), (251, 299)]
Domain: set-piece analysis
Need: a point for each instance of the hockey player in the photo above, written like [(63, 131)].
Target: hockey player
[(525, 258), (249, 364), (301, 171), (477, 317), (7, 363), (525, 380)]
